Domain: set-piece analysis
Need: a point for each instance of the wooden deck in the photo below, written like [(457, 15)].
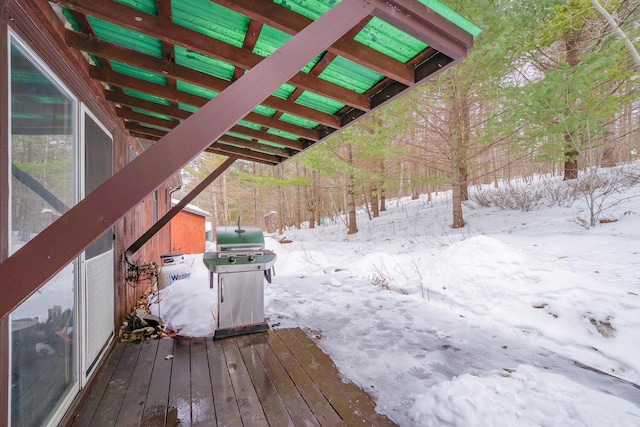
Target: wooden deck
[(275, 378)]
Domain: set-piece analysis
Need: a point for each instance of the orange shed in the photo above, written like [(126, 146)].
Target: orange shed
[(188, 235)]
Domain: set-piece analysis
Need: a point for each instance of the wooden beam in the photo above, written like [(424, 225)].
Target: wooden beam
[(172, 94), (416, 19), (164, 220), (169, 32), (256, 146), (290, 22), (60, 243), (240, 156), (266, 136), (229, 150)]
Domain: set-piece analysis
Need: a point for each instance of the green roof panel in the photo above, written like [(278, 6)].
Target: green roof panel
[(319, 102), (211, 19), (204, 64), (283, 134), (124, 37), (129, 70), (387, 39), (299, 121), (146, 6), (348, 74), (146, 96)]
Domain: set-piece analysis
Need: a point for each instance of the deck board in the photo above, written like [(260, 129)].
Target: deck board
[(155, 408), (224, 398), (179, 406), (133, 405), (274, 378), (202, 409), (101, 382), (111, 402), (248, 403), (321, 408), (272, 404)]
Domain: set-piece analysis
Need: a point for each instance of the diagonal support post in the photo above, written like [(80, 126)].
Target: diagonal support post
[(176, 209), (55, 247)]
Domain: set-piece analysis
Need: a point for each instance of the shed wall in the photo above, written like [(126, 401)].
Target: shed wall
[(188, 233)]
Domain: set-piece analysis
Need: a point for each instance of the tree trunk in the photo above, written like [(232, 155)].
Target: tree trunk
[(280, 203), (464, 136), (298, 200), (415, 188), (571, 159), (383, 196), (350, 193), (458, 157), (571, 152), (374, 201), (255, 197)]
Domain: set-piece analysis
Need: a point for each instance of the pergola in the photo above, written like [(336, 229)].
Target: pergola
[(254, 80)]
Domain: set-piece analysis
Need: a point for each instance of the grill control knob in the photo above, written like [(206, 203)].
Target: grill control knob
[(232, 260), (251, 258)]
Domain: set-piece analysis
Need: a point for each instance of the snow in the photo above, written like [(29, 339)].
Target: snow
[(501, 323)]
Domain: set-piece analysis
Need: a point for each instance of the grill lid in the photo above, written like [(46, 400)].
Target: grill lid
[(239, 238)]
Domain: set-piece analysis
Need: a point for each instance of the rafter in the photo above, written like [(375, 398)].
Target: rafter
[(416, 19), (228, 150), (256, 146)]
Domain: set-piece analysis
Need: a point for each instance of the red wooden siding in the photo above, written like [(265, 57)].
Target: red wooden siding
[(188, 233)]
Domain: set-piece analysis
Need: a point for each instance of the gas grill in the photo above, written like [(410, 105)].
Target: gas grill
[(241, 264)]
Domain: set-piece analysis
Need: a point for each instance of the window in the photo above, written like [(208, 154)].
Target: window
[(44, 185)]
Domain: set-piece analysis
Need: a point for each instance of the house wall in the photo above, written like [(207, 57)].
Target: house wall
[(188, 233), (4, 206), (36, 23)]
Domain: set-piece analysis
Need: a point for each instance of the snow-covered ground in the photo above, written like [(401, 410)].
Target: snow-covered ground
[(493, 324)]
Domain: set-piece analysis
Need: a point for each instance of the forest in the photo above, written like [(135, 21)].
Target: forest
[(550, 89)]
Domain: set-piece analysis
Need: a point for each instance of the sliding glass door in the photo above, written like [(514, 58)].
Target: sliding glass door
[(44, 185), (59, 153)]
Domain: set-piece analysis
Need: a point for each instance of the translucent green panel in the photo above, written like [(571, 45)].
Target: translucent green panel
[(249, 125), (147, 6), (453, 16), (67, 14), (387, 39), (146, 97), (298, 121), (270, 40), (351, 75), (150, 126), (196, 90), (319, 102), (209, 18), (238, 135), (128, 70), (270, 144), (265, 111), (283, 134), (284, 91), (152, 114), (189, 108), (312, 9), (203, 63), (127, 38)]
